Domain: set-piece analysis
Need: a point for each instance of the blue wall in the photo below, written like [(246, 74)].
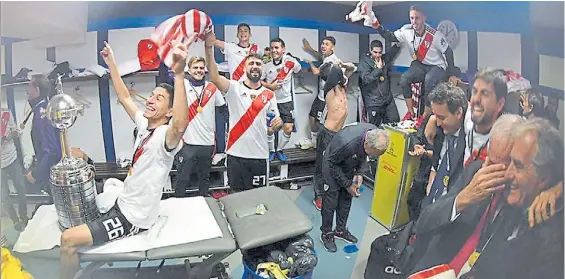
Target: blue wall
[(473, 17)]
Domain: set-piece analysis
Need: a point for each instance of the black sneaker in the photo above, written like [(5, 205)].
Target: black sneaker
[(329, 242), (346, 236)]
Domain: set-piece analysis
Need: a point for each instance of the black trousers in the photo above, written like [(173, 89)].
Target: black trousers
[(15, 172), (194, 158), (336, 200), (418, 72), (325, 136), (383, 114), (246, 174)]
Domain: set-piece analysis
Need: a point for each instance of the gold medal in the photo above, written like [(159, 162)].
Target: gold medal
[(199, 109), (414, 57), (382, 78), (445, 180), (473, 258)]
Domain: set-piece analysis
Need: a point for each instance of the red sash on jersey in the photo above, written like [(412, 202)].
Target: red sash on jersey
[(238, 73), (247, 119), (425, 46), (5, 118), (286, 69), (208, 92), (476, 156), (139, 150)]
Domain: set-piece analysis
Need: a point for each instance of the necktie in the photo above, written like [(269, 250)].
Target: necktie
[(450, 148)]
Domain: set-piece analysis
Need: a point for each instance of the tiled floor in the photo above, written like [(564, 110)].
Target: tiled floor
[(331, 265)]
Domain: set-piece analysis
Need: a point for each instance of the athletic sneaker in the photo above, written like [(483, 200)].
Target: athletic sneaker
[(346, 236), (281, 156), (318, 204), (329, 242), (272, 156)]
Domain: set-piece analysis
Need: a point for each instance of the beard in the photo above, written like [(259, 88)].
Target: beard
[(254, 76)]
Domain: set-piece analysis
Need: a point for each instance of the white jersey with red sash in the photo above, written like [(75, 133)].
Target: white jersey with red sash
[(282, 71), (235, 55), (428, 48), (248, 120), (202, 101), (148, 174), (180, 27)]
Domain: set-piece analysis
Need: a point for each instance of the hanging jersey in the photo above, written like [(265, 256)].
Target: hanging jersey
[(330, 59), (235, 55), (248, 109), (282, 71), (148, 174), (202, 103), (428, 48)]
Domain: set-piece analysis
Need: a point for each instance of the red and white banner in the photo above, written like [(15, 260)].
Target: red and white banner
[(180, 27)]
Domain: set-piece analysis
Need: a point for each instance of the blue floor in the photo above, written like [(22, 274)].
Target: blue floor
[(338, 265)]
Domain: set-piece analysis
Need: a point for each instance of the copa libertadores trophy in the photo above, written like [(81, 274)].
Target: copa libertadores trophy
[(72, 179)]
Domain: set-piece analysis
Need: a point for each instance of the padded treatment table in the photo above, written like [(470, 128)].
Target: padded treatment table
[(240, 225)]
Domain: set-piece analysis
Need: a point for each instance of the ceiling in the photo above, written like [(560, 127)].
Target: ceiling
[(354, 3), (45, 23), (547, 14)]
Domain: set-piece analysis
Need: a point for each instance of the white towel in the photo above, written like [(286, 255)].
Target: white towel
[(107, 199), (181, 221)]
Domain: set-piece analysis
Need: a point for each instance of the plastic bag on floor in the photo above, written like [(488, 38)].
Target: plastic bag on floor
[(12, 267)]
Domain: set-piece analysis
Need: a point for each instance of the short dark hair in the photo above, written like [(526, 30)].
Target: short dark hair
[(417, 9), (376, 43), (171, 90), (496, 78), (254, 55), (46, 87), (537, 101), (447, 93), (243, 24), (278, 40), (329, 38)]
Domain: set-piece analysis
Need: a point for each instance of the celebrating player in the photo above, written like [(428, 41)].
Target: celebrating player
[(250, 104), (431, 56), (278, 78)]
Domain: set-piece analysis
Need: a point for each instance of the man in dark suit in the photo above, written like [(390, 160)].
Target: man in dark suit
[(453, 221), (449, 106), (437, 218), (342, 165)]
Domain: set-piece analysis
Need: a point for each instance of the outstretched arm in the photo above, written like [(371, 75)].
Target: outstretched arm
[(306, 47), (220, 81), (180, 103), (119, 86), (387, 34)]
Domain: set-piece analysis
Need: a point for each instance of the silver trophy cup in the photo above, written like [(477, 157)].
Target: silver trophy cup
[(72, 179)]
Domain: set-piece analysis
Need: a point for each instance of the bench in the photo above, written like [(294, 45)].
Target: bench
[(299, 166)]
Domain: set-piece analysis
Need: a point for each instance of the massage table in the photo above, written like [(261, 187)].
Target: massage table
[(241, 229)]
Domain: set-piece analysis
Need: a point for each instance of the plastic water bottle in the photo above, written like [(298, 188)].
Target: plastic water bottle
[(270, 116)]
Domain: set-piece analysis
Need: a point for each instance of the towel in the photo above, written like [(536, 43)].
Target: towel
[(181, 27), (181, 221), (107, 199), (364, 11)]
